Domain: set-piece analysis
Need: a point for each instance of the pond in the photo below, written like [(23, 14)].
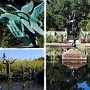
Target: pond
[(20, 85), (60, 77)]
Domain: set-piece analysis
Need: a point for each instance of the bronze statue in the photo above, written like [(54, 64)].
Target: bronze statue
[(22, 71), (7, 63), (23, 25), (74, 25), (29, 69)]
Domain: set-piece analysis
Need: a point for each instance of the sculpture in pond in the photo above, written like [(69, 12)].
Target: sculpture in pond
[(74, 25), (22, 86), (22, 70), (24, 26), (33, 74), (7, 63), (29, 70)]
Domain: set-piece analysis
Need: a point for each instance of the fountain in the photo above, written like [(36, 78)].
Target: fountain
[(72, 70)]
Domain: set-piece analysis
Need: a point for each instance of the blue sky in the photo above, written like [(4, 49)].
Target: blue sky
[(84, 86), (23, 54)]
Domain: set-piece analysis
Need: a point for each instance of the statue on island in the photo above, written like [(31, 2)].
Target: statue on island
[(74, 25), (23, 25), (7, 63)]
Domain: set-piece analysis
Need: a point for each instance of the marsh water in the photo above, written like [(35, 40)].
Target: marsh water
[(60, 77), (20, 85)]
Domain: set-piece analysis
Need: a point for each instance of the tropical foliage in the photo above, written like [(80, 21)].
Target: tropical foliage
[(88, 38), (57, 39)]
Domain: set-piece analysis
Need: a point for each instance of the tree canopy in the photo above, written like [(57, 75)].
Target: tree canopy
[(58, 12)]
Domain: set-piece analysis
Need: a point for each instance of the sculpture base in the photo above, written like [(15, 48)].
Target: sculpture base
[(21, 45), (74, 58)]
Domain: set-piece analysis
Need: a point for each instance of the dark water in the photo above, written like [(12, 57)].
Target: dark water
[(26, 85), (60, 77)]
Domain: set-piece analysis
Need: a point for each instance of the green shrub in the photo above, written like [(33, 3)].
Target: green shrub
[(52, 39), (49, 39), (81, 47), (88, 38)]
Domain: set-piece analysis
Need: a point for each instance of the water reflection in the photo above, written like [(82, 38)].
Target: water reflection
[(25, 85), (60, 77), (84, 86)]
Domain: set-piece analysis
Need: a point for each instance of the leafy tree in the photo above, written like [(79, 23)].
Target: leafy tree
[(58, 12), (82, 24), (88, 16), (88, 25), (40, 41), (8, 40)]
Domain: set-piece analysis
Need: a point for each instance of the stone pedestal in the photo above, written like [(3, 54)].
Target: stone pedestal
[(21, 45), (74, 58)]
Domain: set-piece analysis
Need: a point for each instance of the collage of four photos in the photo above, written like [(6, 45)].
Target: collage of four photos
[(44, 45)]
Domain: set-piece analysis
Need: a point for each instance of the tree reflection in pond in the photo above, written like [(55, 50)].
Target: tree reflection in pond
[(24, 85), (59, 77)]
